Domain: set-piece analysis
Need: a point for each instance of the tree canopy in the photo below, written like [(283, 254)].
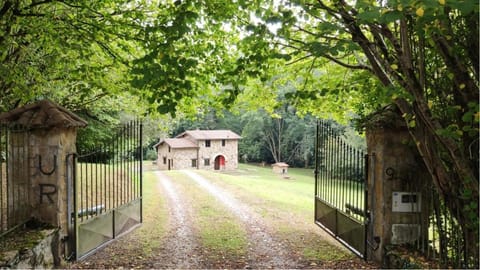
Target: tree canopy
[(331, 57), (424, 57)]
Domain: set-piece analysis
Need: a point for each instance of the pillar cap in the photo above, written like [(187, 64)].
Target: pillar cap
[(387, 117), (42, 114)]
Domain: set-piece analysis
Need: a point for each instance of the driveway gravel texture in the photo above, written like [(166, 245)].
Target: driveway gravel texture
[(177, 245)]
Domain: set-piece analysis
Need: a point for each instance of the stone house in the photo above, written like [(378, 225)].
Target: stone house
[(199, 149)]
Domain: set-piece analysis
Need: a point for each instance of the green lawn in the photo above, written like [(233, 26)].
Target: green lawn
[(155, 215), (294, 194), (287, 205), (106, 184)]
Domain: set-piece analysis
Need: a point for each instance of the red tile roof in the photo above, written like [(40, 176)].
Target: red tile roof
[(211, 134)]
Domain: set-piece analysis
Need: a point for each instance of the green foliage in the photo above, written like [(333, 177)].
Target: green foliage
[(150, 154), (331, 59), (420, 55), (71, 53)]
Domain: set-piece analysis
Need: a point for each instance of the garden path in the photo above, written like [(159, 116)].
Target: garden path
[(180, 246), (264, 251), (174, 243)]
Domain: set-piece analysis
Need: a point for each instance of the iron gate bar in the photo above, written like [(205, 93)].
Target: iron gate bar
[(110, 183), (365, 203), (340, 193), (3, 158)]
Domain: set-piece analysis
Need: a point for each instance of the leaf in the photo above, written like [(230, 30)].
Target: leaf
[(477, 116), (274, 19), (318, 48), (467, 117), (369, 16), (412, 123), (420, 11), (286, 57), (391, 16)]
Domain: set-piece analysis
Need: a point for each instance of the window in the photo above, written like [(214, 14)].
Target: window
[(169, 149), (194, 163), (223, 142), (164, 160), (207, 162), (207, 143)]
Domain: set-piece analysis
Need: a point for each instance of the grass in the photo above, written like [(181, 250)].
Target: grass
[(106, 184), (155, 215), (219, 231), (287, 204), (138, 248), (292, 195), (296, 193)]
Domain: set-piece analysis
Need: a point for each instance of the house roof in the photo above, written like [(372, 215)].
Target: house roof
[(178, 143), (280, 164), (211, 134), (42, 114)]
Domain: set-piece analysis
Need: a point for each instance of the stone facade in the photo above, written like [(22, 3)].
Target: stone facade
[(47, 138), (193, 151), (48, 183), (395, 167), (176, 158)]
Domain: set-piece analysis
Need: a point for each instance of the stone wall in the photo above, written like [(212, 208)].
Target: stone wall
[(49, 182), (229, 151), (181, 158), (46, 138), (395, 168), (43, 254)]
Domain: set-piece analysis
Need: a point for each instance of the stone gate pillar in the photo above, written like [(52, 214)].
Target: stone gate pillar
[(51, 135), (397, 184)]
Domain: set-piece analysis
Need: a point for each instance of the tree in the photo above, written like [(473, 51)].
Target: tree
[(424, 54), (74, 52), (188, 55), (100, 58), (172, 54)]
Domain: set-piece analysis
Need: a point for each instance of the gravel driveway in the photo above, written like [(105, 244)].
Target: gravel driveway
[(180, 246), (264, 251), (175, 243)]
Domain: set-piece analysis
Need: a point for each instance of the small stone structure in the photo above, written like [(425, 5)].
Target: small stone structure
[(51, 135), (397, 177), (199, 149), (280, 167)]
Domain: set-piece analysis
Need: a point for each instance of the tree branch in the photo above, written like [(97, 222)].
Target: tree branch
[(343, 64)]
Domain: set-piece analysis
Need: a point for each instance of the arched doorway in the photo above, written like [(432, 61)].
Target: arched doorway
[(219, 162)]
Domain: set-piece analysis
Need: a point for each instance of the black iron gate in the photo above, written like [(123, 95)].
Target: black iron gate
[(340, 189), (105, 191)]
